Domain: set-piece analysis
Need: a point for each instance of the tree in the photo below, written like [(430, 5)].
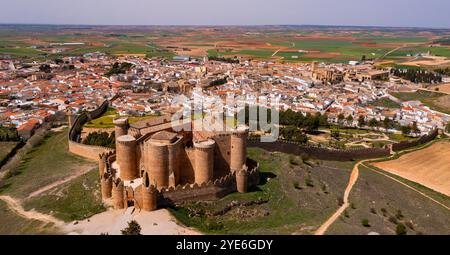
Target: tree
[(341, 118), (373, 123), (323, 120), (350, 119), (361, 121), (400, 229), (406, 130), (387, 123), (415, 129), (133, 228), (45, 68), (365, 223)]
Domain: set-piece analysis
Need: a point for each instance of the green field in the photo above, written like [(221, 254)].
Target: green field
[(76, 200), (436, 101), (47, 163), (6, 148), (107, 119), (385, 102), (12, 224), (298, 198), (123, 48)]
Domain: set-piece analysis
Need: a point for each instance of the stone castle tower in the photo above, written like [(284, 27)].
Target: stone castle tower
[(149, 194), (126, 157), (204, 161), (238, 148)]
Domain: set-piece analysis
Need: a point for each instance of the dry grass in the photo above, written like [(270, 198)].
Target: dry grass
[(429, 167)]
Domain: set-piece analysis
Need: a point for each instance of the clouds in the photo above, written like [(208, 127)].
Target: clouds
[(425, 13)]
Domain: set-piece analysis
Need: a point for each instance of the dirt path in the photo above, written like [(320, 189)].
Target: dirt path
[(82, 171), (353, 178), (15, 206)]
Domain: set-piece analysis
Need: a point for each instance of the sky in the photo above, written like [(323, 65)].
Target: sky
[(399, 13)]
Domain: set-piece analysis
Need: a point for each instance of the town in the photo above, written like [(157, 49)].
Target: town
[(348, 94)]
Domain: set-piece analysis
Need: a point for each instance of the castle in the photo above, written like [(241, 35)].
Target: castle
[(154, 165)]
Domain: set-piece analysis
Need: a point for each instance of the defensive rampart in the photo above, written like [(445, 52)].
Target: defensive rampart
[(84, 150), (319, 152), (409, 144)]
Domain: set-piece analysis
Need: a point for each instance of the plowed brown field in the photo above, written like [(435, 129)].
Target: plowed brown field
[(429, 167)]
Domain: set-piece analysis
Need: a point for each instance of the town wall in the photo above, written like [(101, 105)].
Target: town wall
[(318, 152), (409, 144), (84, 150)]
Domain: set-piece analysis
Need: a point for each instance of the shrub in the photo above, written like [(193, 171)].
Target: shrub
[(373, 210), (401, 229), (297, 185), (346, 215), (399, 215), (384, 212), (308, 181), (133, 228), (293, 161), (410, 225), (365, 223), (392, 219)]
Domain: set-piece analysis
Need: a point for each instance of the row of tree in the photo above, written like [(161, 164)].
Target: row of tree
[(293, 133), (8, 134), (219, 82), (226, 60), (418, 75), (119, 68), (101, 139)]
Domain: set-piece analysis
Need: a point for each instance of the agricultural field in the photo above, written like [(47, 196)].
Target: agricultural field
[(291, 44), (428, 167), (294, 197)]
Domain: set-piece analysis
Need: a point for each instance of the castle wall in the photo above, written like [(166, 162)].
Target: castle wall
[(87, 151), (187, 163), (222, 155), (173, 161), (83, 150)]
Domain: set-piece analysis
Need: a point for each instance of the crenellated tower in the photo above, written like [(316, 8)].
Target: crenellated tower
[(106, 183), (149, 194), (118, 196)]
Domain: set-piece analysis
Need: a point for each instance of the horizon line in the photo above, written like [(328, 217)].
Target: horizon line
[(230, 25)]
